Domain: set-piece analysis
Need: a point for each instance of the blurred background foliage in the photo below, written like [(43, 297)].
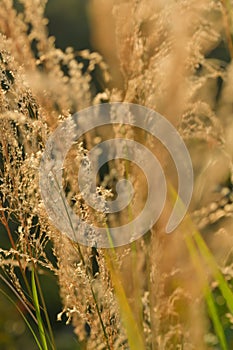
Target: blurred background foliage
[(68, 22)]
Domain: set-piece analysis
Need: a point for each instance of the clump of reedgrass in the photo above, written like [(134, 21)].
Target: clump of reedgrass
[(150, 294)]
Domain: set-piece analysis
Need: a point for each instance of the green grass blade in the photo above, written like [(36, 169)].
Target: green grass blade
[(50, 336), (24, 318), (190, 230), (218, 276), (133, 333), (215, 318), (38, 315), (196, 246), (213, 312)]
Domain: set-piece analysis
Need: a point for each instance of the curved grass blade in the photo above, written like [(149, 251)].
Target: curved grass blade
[(133, 333), (198, 249), (213, 312), (24, 318), (38, 315)]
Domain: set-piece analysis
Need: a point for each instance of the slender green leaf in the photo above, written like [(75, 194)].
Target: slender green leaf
[(208, 256), (38, 315), (196, 246), (134, 335), (24, 318), (213, 312)]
